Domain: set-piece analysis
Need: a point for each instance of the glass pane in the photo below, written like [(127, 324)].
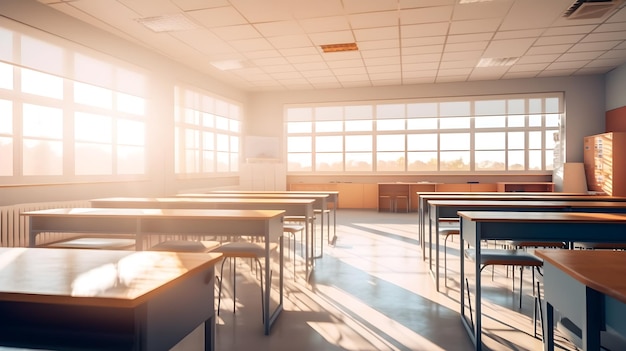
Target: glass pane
[(234, 162), (93, 159), (325, 162), (421, 123), (299, 127), (43, 158), (191, 161), (208, 161), (42, 121), (390, 124), (235, 126), (299, 114), (390, 161), (535, 160), (130, 132), (516, 107), (393, 111), (223, 143), (490, 107), (553, 120), (221, 123), (6, 155), (234, 144), (422, 142), (454, 108), (455, 141), (192, 139), (223, 162), (91, 127), (534, 140), (359, 162), (300, 144), (208, 141), (208, 120), (358, 126), (92, 95), (490, 141), (455, 123), (362, 112), (489, 161), (131, 104), (329, 113), (42, 84), (549, 160), (552, 136), (490, 122), (517, 121), (329, 126), (299, 162), (454, 161), (422, 161), (130, 160), (392, 142), (516, 140), (553, 105), (358, 143), (6, 117), (428, 109), (328, 144), (534, 120), (6, 76), (516, 161)]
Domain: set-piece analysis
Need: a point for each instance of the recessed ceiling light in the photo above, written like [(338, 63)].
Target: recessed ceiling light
[(339, 47), (228, 65), (497, 61), (167, 23)]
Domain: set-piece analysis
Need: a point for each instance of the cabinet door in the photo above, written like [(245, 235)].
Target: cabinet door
[(351, 195), (370, 196)]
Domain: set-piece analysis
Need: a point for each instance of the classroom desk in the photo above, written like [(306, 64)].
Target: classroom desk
[(62, 299), (532, 226), (448, 208), (292, 207), (588, 288), (333, 197), (424, 197), (144, 222), (320, 204)]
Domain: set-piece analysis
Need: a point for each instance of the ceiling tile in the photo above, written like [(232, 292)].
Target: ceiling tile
[(244, 31), (217, 17), (475, 26), (426, 15), (332, 37), (374, 19), (508, 48), (376, 33), (557, 40), (277, 29), (290, 41), (424, 30)]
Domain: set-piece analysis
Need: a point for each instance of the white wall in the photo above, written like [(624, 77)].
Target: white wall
[(584, 96), (615, 87)]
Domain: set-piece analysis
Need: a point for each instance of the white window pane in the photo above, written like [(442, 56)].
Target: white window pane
[(516, 140), (234, 144), (42, 55), (235, 126), (390, 161), (329, 144), (490, 141), (393, 111), (92, 127), (131, 104), (362, 112), (42, 121), (535, 160), (549, 160), (421, 123), (516, 161), (130, 160), (358, 125), (300, 144), (454, 141), (42, 84), (535, 120), (329, 113), (6, 44), (551, 138), (208, 161), (234, 162), (422, 161), (359, 162), (6, 155), (454, 161), (428, 109), (223, 142), (517, 121), (207, 119), (223, 162), (553, 105), (490, 107), (130, 132), (192, 161), (329, 126), (6, 117), (91, 70), (534, 140), (43, 158), (299, 127), (92, 95), (392, 142), (454, 108), (192, 139), (390, 124), (93, 159), (553, 120), (422, 142), (299, 162), (326, 162), (358, 143), (221, 123), (489, 161), (455, 123), (516, 107), (6, 76), (535, 106), (299, 114), (490, 122), (208, 141)]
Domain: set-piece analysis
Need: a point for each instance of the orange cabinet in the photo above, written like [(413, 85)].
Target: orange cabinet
[(605, 166)]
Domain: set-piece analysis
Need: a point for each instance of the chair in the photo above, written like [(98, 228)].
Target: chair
[(599, 246), (447, 231), (291, 230), (114, 242), (236, 250)]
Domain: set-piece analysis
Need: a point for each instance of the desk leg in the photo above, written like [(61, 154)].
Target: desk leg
[(592, 322), (548, 327), (209, 334), (270, 318)]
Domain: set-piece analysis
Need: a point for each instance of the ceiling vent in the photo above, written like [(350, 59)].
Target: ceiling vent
[(591, 9)]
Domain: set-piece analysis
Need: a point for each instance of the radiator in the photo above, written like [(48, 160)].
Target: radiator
[(14, 228)]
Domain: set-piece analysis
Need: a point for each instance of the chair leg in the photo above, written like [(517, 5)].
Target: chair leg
[(469, 300)]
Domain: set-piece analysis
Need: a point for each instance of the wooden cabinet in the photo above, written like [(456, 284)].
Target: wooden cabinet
[(535, 187), (605, 167)]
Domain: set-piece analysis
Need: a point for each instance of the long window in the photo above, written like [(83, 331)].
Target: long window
[(512, 133), (207, 133), (67, 114)]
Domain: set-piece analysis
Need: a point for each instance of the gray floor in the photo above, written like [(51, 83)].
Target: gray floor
[(372, 291)]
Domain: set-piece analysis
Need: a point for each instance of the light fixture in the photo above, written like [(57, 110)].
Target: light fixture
[(167, 23), (339, 47), (227, 65), (497, 61)]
